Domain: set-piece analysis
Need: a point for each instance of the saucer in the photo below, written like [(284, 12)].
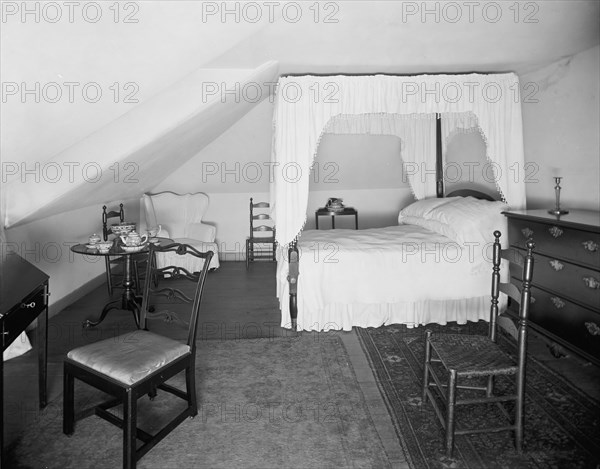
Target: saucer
[(155, 241), (133, 248), (91, 246)]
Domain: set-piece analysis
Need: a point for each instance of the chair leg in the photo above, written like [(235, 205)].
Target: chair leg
[(489, 391), (129, 429), (108, 276), (451, 403), (247, 253), (190, 382), (519, 415), (136, 275), (426, 367), (68, 403)]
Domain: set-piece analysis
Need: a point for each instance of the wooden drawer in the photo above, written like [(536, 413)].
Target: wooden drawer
[(582, 247), (22, 315), (578, 326), (574, 282)]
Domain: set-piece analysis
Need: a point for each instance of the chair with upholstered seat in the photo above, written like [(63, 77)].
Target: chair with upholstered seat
[(180, 218), (138, 363), (465, 369)]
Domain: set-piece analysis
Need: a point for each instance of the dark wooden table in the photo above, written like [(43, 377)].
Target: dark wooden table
[(23, 298), (129, 301), (322, 212)]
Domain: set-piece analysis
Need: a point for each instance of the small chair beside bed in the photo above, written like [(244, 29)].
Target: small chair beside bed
[(433, 267)]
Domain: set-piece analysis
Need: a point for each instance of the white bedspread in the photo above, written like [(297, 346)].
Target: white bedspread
[(399, 274)]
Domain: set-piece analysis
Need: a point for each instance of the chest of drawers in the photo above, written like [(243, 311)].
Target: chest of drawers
[(566, 278)]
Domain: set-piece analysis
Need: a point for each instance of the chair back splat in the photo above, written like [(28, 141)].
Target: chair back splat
[(462, 369), (141, 362)]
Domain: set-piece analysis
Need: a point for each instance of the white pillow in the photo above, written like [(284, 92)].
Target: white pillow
[(431, 225), (473, 220), (421, 208)]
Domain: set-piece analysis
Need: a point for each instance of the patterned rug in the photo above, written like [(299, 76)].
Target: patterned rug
[(562, 424), (263, 403)]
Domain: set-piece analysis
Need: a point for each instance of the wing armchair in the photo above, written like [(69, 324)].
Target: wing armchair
[(180, 218)]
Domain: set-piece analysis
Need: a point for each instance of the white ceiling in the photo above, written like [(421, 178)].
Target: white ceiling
[(423, 37)]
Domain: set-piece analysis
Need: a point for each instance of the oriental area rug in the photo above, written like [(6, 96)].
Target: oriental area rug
[(562, 424), (284, 402)]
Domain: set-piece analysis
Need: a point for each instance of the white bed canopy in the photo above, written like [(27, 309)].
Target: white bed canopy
[(308, 106)]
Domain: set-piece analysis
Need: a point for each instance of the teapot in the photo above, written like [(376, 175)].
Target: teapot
[(133, 239)]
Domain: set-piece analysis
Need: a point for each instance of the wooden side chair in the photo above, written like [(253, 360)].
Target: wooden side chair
[(261, 242), (114, 265), (471, 363), (140, 362)]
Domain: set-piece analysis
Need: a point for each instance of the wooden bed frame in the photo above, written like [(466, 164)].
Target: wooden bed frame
[(293, 253)]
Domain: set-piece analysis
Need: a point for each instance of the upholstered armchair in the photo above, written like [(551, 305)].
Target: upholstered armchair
[(180, 218)]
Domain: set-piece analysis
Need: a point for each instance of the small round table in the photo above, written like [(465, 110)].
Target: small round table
[(324, 211), (129, 300)]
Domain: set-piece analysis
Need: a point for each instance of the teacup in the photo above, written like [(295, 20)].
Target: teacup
[(94, 239), (154, 231)]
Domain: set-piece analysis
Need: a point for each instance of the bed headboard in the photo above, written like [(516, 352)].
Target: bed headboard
[(470, 193)]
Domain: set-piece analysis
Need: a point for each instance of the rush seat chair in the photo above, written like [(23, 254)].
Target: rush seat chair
[(261, 242), (114, 265), (465, 369)]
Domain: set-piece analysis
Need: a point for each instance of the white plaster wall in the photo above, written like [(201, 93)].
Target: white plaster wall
[(46, 243), (561, 130)]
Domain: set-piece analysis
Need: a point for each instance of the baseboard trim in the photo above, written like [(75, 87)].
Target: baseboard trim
[(232, 257)]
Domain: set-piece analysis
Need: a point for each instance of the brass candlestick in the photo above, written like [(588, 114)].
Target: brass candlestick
[(557, 210)]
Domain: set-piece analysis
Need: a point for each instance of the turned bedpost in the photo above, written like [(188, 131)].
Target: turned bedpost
[(439, 167), (293, 272)]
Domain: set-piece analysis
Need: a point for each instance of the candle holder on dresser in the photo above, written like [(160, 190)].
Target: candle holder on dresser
[(557, 210)]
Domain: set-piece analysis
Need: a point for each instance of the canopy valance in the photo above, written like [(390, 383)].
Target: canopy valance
[(308, 106)]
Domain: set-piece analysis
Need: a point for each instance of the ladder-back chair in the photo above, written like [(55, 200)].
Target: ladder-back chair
[(131, 365), (260, 245), (114, 265), (471, 363)]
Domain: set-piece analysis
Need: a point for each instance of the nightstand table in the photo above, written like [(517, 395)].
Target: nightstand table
[(324, 212)]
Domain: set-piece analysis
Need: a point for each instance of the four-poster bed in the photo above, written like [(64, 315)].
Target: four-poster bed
[(417, 109)]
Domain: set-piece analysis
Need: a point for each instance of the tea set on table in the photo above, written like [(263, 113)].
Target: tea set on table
[(127, 238)]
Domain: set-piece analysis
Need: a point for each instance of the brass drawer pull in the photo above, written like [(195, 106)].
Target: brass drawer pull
[(28, 305), (556, 265), (557, 302), (591, 282), (527, 232), (590, 246), (592, 328), (555, 231)]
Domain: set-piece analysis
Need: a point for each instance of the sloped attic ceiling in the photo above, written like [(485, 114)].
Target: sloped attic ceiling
[(224, 44), (136, 151), (401, 37)]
